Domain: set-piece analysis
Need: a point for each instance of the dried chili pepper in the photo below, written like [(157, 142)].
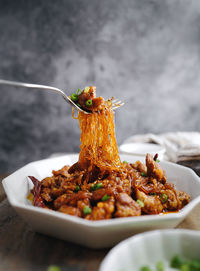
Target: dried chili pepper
[(37, 199)]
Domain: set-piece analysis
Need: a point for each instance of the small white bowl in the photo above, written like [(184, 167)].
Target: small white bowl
[(141, 149), (95, 234), (151, 247)]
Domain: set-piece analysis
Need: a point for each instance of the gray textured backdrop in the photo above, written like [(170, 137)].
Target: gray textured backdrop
[(144, 52)]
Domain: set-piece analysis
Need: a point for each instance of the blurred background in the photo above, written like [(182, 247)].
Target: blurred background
[(144, 52)]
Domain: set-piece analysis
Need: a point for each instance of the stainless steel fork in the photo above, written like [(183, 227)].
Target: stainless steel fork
[(115, 104)]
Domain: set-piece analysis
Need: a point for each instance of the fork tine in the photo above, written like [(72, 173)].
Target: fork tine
[(114, 101), (117, 106)]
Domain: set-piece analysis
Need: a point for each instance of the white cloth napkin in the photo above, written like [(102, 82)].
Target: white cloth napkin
[(180, 146)]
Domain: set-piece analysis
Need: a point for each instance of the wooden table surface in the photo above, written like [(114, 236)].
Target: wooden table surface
[(21, 249)]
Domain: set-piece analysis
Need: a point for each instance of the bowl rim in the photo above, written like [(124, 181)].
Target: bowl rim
[(106, 222)]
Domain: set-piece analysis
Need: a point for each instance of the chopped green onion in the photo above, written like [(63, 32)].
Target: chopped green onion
[(152, 194), (125, 162), (143, 174), (53, 268), (96, 186), (164, 198), (86, 89), (88, 103), (87, 210), (145, 268), (141, 203), (157, 161), (78, 90), (186, 267), (77, 188), (105, 197), (194, 265), (74, 97), (78, 105), (160, 266), (176, 262)]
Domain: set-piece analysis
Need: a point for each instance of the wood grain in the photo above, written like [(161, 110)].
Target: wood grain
[(22, 249)]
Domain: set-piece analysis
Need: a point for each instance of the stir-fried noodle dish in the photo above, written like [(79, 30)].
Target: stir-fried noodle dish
[(100, 185)]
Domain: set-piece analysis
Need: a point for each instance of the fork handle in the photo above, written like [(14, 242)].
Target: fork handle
[(27, 85)]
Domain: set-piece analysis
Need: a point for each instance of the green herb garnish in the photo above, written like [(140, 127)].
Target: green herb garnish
[(176, 262), (105, 197), (160, 266), (145, 268), (152, 194), (87, 210), (78, 90), (88, 103), (141, 203), (96, 186), (77, 188), (74, 97), (143, 174), (186, 267), (53, 268), (164, 198)]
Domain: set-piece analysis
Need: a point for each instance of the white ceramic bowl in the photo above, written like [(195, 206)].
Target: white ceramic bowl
[(96, 234), (141, 149), (151, 247)]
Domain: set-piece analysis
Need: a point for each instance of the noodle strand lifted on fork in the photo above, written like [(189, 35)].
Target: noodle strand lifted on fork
[(99, 185)]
